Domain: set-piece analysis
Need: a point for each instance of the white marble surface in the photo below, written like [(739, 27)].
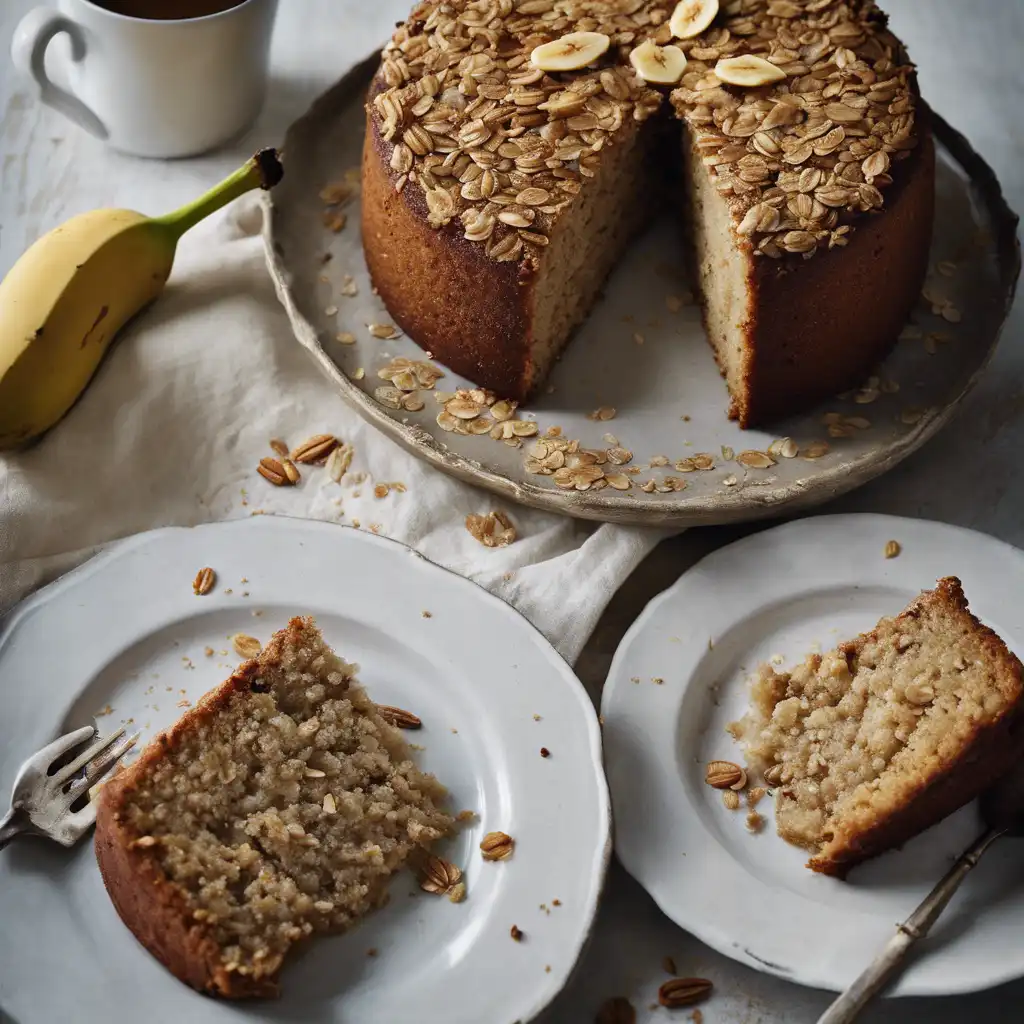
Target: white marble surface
[(970, 71)]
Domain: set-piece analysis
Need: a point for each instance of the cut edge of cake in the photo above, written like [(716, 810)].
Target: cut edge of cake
[(970, 738)]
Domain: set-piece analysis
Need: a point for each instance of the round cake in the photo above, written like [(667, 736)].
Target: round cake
[(501, 185)]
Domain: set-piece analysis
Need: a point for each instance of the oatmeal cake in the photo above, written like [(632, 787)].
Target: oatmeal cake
[(500, 188), (276, 809), (877, 740)]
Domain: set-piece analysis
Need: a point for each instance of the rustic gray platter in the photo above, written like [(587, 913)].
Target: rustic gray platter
[(637, 356)]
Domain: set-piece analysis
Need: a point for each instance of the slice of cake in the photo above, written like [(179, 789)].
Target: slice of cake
[(882, 737), (276, 809)]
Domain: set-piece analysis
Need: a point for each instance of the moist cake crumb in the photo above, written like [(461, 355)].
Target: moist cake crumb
[(883, 736), (275, 810)]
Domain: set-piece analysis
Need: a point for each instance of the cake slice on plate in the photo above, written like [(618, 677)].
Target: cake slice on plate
[(877, 740), (276, 809)]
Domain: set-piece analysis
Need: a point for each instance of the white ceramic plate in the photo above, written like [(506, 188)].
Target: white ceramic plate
[(669, 398), (127, 631), (814, 581)]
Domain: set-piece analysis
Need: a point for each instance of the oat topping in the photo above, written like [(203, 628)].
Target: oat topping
[(800, 159), (498, 146)]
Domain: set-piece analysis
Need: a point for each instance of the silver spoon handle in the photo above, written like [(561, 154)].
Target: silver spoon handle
[(876, 976)]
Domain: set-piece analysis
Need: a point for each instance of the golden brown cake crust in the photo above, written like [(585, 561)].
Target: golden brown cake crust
[(146, 901), (987, 754), (822, 323), (471, 313)]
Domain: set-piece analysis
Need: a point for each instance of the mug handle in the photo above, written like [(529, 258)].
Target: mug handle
[(28, 49)]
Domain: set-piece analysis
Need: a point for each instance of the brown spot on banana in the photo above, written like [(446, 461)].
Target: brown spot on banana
[(100, 317)]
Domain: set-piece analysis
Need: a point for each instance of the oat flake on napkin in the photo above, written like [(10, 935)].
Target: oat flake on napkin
[(170, 431)]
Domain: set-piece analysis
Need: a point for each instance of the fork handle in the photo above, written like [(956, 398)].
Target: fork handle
[(12, 824), (887, 964)]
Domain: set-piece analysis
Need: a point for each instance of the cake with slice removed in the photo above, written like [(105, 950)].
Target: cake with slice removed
[(276, 809), (501, 186), (880, 738)]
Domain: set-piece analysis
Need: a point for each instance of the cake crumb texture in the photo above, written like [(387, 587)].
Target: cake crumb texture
[(885, 735), (276, 809)]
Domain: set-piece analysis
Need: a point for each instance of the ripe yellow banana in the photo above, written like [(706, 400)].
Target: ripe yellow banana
[(70, 293)]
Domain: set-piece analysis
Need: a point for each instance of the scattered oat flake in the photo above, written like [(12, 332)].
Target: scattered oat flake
[(331, 311), (184, 704), (755, 821), (814, 450), (204, 581), (104, 711), (494, 530), (605, 412), (345, 337), (730, 480), (752, 459), (892, 549), (383, 331), (246, 646), (358, 373), (947, 268)]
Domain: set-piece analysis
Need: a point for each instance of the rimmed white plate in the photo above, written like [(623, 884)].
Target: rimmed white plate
[(127, 632), (777, 594)]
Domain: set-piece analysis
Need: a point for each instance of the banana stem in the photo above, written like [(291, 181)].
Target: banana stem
[(262, 171)]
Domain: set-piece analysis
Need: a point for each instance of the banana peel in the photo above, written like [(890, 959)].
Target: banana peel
[(64, 301)]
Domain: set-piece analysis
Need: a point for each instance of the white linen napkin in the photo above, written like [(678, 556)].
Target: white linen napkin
[(171, 430)]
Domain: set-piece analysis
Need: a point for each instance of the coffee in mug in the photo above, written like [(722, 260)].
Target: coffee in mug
[(167, 10), (158, 78)]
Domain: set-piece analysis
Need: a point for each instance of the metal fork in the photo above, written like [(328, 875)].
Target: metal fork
[(41, 802)]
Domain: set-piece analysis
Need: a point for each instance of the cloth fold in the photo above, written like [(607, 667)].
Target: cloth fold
[(172, 427)]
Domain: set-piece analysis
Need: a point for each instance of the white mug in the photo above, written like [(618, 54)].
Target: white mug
[(153, 87)]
